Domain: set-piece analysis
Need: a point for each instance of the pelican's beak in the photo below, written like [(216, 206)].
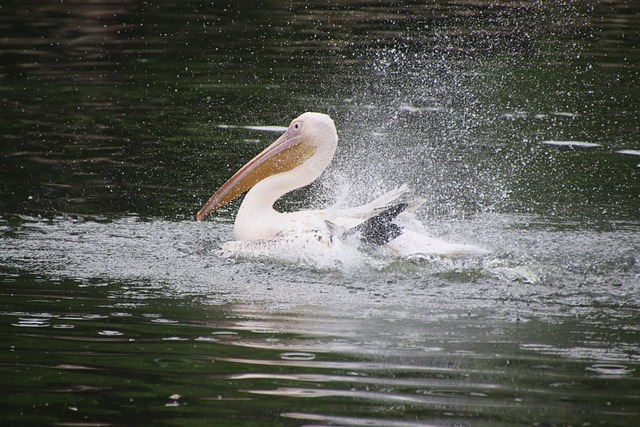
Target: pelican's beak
[(284, 154)]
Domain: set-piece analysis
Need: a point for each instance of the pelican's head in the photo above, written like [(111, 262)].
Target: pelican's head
[(310, 142)]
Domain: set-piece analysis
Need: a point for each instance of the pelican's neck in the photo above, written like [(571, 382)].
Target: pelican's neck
[(256, 218), (266, 192)]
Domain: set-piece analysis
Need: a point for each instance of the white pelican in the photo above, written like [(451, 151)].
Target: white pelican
[(294, 160)]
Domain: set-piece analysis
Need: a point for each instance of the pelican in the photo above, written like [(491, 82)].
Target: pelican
[(296, 159)]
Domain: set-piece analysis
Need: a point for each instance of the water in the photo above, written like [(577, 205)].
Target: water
[(517, 123)]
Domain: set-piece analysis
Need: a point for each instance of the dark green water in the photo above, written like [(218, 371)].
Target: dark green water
[(517, 122)]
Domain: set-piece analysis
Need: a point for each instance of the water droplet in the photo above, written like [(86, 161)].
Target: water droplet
[(175, 339), (610, 369), (164, 321), (32, 323), (110, 333), (297, 356)]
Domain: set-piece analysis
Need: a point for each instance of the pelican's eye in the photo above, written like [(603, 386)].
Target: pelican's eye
[(295, 127)]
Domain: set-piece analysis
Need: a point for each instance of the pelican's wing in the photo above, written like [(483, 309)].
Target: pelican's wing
[(372, 208), (313, 243), (380, 228), (411, 244)]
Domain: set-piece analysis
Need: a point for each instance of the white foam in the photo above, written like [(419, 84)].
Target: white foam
[(258, 128), (571, 143), (564, 114), (266, 128), (630, 152)]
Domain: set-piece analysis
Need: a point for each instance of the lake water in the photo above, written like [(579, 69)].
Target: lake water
[(518, 122)]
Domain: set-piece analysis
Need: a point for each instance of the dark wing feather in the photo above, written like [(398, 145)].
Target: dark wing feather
[(380, 229)]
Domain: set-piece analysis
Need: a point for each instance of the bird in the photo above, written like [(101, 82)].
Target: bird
[(296, 159)]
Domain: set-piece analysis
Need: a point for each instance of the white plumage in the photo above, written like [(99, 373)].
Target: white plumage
[(294, 160)]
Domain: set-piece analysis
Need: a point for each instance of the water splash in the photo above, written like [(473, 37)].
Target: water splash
[(412, 118), (537, 271)]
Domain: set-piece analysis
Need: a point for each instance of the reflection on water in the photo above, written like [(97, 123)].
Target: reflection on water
[(187, 360), (134, 318), (517, 122)]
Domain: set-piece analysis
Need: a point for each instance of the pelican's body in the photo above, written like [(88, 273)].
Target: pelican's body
[(294, 160)]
